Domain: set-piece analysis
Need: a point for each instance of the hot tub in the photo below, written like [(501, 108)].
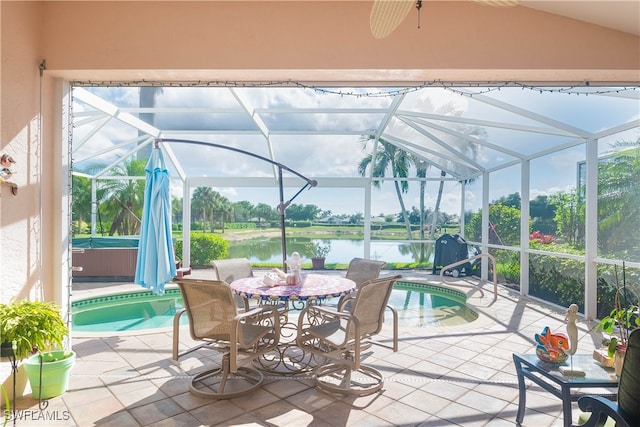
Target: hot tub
[(105, 259)]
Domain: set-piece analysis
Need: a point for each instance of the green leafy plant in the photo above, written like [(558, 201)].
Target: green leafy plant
[(623, 319), (204, 248), (32, 326), (320, 250)]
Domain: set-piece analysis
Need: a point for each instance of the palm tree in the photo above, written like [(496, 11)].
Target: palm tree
[(242, 210), (125, 198), (203, 202), (176, 210), (436, 209), (221, 208), (388, 156), (263, 211), (464, 147), (81, 202), (618, 196), (421, 172)]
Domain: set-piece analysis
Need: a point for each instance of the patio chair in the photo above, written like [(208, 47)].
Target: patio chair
[(232, 269), (626, 412), (241, 337), (362, 270), (229, 270), (340, 337)]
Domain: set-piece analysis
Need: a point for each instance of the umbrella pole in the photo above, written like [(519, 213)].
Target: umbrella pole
[(282, 208)]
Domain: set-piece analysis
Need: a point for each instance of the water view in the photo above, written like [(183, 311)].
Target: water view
[(269, 250)]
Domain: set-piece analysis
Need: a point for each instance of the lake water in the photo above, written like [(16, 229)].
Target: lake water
[(269, 250)]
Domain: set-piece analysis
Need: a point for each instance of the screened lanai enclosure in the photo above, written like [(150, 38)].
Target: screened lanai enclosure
[(543, 178)]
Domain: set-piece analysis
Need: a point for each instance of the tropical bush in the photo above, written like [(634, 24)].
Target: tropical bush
[(557, 280), (507, 265), (204, 248), (504, 225), (32, 326)]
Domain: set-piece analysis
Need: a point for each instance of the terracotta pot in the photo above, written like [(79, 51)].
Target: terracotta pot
[(317, 263)]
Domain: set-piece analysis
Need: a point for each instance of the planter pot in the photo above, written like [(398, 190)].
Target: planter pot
[(618, 361), (55, 373), (317, 263)]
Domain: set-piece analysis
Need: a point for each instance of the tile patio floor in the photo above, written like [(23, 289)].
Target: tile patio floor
[(443, 376)]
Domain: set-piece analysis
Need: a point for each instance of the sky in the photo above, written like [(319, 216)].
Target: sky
[(336, 153)]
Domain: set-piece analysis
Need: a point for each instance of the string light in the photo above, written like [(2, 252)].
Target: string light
[(581, 88)]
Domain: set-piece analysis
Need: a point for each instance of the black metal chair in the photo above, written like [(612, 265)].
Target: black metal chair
[(626, 411)]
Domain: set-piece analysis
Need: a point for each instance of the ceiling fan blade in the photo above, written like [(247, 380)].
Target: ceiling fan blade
[(387, 15), (498, 3)]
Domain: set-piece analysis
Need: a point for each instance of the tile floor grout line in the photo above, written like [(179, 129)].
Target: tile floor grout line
[(298, 378)]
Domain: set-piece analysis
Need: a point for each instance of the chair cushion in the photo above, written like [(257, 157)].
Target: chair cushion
[(332, 332), (252, 333)]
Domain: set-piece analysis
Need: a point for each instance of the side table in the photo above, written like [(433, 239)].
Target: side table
[(548, 376)]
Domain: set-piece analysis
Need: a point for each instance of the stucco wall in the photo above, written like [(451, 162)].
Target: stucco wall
[(327, 40), (19, 215)]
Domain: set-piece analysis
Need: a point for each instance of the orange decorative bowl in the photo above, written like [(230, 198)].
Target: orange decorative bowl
[(552, 357)]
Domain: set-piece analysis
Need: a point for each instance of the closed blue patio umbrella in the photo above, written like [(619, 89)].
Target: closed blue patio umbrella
[(156, 265)]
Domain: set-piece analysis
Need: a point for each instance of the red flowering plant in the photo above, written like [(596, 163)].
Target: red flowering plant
[(545, 239)]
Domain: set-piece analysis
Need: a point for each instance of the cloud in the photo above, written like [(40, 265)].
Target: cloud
[(334, 152)]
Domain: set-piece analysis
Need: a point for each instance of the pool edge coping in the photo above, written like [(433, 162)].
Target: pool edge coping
[(486, 315)]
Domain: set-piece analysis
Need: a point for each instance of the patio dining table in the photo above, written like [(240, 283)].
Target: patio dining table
[(313, 288)]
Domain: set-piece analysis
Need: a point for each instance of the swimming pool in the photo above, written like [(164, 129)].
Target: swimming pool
[(419, 304), (422, 304), (133, 311)]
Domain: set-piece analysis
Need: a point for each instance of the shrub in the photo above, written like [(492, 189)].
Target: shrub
[(33, 326), (204, 248)]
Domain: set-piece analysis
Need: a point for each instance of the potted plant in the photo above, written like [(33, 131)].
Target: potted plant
[(623, 320), (319, 252), (36, 332)]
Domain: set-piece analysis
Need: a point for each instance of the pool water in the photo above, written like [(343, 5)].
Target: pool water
[(127, 312), (419, 304)]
